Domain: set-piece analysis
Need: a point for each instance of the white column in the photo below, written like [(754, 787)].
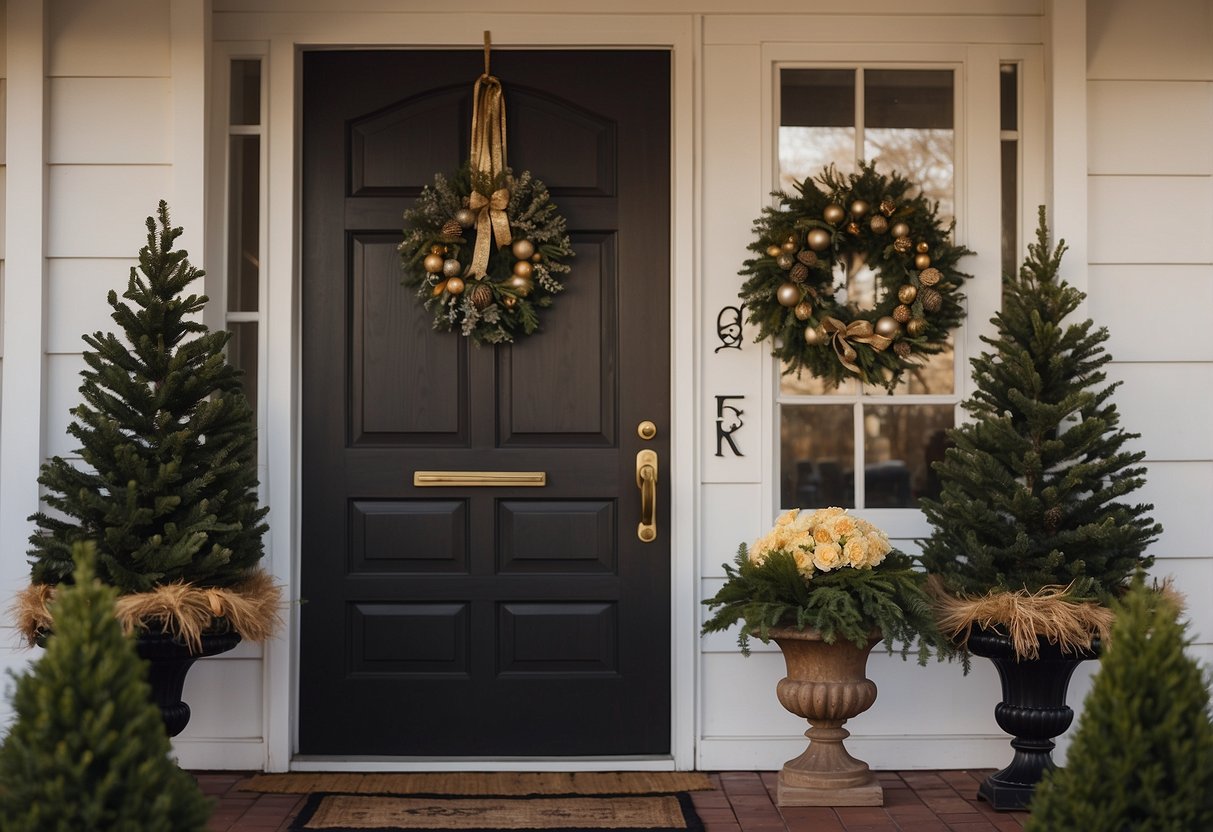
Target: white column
[(22, 403), (1066, 70)]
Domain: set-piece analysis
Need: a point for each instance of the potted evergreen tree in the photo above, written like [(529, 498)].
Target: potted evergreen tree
[(87, 750), (1142, 758), (166, 484), (1032, 537)]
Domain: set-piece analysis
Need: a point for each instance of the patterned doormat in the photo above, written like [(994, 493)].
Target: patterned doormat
[(482, 783), (399, 813)]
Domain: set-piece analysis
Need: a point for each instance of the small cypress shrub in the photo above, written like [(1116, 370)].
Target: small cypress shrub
[(1142, 759), (88, 752)]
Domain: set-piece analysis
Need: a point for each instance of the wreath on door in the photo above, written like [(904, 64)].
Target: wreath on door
[(814, 241), (483, 248)]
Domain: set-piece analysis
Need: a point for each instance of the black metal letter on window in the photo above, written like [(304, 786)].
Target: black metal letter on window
[(728, 422), (728, 328)]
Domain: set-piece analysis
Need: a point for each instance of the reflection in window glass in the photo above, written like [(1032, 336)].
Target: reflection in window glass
[(244, 243), (242, 354), (817, 453), (900, 443), (908, 127), (816, 124)]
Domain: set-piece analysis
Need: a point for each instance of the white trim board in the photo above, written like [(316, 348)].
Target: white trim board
[(286, 35)]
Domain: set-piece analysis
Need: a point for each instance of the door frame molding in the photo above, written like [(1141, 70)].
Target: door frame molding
[(286, 35)]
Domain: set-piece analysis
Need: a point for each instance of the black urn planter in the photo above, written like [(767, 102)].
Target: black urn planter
[(1033, 710), (169, 660)]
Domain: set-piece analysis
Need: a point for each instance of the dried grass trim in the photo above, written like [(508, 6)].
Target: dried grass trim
[(1027, 617), (249, 608)]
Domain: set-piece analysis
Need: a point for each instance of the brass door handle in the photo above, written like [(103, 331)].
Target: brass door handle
[(646, 481)]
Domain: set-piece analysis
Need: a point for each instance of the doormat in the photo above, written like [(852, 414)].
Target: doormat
[(482, 783), (394, 813)]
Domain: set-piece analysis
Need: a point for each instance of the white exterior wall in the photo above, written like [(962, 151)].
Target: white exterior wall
[(1150, 249), (124, 123)]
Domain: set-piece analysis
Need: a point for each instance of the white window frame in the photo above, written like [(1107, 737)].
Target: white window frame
[(977, 132)]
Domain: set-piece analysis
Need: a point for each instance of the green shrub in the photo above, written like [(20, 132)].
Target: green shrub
[(88, 752), (1142, 759)]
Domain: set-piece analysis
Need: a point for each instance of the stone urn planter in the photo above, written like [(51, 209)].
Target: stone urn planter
[(827, 685), (1033, 710)]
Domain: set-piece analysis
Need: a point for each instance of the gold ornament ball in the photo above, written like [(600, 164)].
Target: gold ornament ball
[(902, 245), (536, 258), (799, 272), (922, 261), (907, 293), (454, 285), (878, 224), (916, 327), (859, 209), (888, 327), (803, 310), (819, 239), (433, 263), (774, 251), (922, 247), (523, 268), (437, 290), (521, 285), (451, 267), (808, 257), (523, 249), (900, 229), (887, 207), (789, 246), (833, 213), (784, 260), (932, 300), (509, 302), (788, 294), (451, 228), (930, 277), (465, 217), (902, 314), (481, 295), (814, 336)]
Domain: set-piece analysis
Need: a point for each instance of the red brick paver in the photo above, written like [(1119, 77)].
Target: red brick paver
[(744, 801)]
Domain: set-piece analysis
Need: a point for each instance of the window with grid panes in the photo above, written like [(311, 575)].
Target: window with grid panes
[(855, 446)]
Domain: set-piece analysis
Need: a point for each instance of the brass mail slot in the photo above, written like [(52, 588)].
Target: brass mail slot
[(489, 479)]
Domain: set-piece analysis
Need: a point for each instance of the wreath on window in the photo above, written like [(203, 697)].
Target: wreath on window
[(499, 300), (802, 287)]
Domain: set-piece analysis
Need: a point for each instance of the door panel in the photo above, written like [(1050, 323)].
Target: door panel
[(477, 621)]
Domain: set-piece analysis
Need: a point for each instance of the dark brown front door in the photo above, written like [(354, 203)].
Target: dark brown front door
[(484, 621)]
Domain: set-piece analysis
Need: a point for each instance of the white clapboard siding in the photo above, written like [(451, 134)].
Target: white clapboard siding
[(1180, 493), (1135, 219), (116, 38), (62, 394), (1162, 39), (1144, 329), (100, 210), (110, 121), (1170, 404), (1160, 127), (76, 295)]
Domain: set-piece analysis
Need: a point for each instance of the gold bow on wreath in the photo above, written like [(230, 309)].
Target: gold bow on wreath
[(861, 332), (488, 163)]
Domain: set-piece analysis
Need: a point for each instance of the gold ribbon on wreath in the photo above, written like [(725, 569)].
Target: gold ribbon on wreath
[(861, 332), (488, 162)]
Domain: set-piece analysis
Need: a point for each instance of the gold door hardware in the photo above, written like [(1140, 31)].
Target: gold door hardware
[(646, 481), (476, 479), (646, 430)]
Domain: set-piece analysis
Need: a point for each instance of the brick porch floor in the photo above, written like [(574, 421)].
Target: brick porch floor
[(915, 801)]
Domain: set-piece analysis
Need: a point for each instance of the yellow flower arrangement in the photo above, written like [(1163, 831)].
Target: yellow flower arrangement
[(829, 571), (824, 540)]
